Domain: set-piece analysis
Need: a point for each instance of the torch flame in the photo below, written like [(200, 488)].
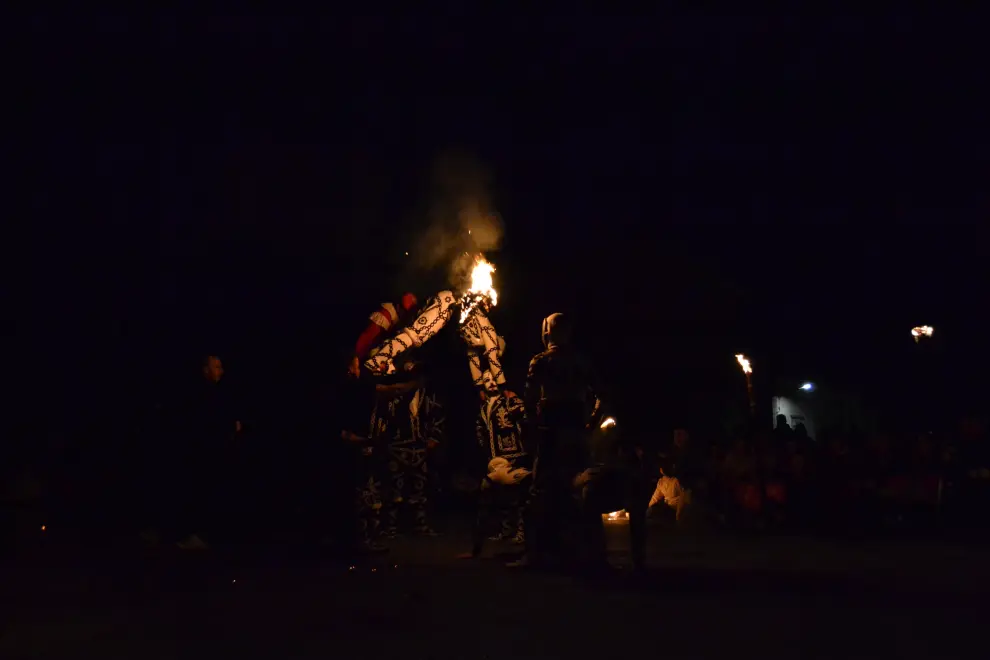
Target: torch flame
[(616, 515), (481, 289), (608, 422), (922, 331), (744, 363)]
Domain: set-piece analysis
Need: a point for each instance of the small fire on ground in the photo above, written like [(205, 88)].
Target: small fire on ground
[(616, 516)]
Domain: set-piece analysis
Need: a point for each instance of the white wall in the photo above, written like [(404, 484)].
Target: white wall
[(795, 412)]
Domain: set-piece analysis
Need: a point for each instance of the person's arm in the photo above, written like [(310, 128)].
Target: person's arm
[(593, 394), (657, 494), (532, 390)]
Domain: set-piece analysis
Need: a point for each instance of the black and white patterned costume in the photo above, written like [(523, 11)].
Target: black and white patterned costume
[(409, 425), (505, 487), (476, 330)]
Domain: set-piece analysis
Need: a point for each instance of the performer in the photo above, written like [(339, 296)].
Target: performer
[(561, 403), (382, 322), (412, 425), (505, 488), (367, 453)]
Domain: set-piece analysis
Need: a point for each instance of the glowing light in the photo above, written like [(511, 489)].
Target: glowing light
[(481, 289), (744, 363), (407, 254), (808, 387), (616, 516), (922, 331), (44, 527), (608, 422)]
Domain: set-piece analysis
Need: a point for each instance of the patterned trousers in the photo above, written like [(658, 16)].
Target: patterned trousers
[(409, 478), (368, 503), (506, 504)]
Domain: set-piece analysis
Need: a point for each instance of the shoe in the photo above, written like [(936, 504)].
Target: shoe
[(193, 542)]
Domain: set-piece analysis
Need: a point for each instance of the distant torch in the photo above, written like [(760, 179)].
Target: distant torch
[(921, 331), (747, 369)]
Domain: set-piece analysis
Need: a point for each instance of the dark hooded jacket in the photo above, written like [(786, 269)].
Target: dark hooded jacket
[(561, 389)]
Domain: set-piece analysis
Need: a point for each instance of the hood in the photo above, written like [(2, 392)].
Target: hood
[(556, 330)]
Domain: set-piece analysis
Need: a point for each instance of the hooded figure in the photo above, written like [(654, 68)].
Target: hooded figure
[(561, 404)]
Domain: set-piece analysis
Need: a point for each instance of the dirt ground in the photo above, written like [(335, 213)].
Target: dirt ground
[(704, 596)]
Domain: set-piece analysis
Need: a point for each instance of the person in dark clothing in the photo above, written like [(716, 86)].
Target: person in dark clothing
[(204, 439), (358, 398), (561, 403)]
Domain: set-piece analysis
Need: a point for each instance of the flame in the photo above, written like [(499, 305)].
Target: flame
[(481, 288), (616, 515), (609, 422), (922, 331), (744, 363)]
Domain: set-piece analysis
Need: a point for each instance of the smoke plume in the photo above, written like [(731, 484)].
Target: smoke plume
[(461, 221)]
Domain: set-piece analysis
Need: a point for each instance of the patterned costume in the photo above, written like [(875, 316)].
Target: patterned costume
[(505, 488), (382, 322), (409, 425)]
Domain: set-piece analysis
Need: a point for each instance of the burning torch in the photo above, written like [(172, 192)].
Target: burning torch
[(747, 369), (921, 331)]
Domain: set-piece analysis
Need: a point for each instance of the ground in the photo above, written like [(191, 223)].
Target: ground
[(705, 596)]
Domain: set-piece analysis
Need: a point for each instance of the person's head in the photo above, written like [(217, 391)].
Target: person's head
[(408, 304), (556, 330), (212, 368)]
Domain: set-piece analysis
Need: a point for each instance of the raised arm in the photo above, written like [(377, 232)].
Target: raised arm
[(429, 322)]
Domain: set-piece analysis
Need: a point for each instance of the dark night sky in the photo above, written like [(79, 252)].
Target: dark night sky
[(802, 191)]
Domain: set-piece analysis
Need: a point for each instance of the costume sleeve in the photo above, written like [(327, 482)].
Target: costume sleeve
[(430, 321), (594, 393), (657, 494), (367, 340), (533, 389)]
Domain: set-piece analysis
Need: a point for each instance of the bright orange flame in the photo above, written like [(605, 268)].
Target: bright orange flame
[(608, 422), (922, 331), (482, 287), (616, 515), (744, 363)]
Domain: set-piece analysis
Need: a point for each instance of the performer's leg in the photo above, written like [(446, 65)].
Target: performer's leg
[(521, 505), (418, 482), (396, 493)]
